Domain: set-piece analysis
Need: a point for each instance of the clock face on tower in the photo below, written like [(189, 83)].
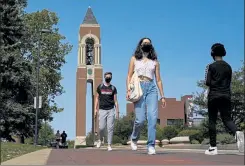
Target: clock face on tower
[(90, 71)]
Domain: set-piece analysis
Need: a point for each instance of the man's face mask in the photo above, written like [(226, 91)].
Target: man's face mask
[(107, 79)]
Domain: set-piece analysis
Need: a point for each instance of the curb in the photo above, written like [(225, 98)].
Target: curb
[(179, 150)]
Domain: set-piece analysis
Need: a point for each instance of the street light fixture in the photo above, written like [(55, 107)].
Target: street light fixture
[(36, 103)]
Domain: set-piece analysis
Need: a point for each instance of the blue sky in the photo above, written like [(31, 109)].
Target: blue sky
[(182, 33)]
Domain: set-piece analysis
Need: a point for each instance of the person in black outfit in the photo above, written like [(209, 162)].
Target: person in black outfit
[(218, 79), (106, 106), (63, 137)]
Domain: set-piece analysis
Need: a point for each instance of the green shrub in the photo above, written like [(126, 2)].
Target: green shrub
[(205, 141), (187, 132), (242, 126), (124, 141), (89, 139), (116, 139), (221, 139), (70, 143), (193, 134), (142, 137), (195, 142), (159, 133), (225, 139), (170, 132), (197, 136)]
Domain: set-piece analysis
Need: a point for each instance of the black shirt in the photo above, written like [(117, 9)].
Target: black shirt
[(218, 79), (63, 136), (106, 96)]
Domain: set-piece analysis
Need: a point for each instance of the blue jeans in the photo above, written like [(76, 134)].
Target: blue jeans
[(149, 100)]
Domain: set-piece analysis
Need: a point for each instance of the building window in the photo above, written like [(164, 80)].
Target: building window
[(173, 122), (158, 121)]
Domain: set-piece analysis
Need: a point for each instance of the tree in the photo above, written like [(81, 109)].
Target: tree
[(123, 128), (19, 34), (52, 57), (46, 134), (15, 72)]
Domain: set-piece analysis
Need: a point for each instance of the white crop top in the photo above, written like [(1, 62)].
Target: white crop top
[(146, 69)]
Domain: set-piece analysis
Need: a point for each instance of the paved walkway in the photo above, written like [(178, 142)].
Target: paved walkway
[(39, 157), (125, 156)]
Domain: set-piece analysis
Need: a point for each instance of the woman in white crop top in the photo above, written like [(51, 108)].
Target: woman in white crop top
[(145, 63)]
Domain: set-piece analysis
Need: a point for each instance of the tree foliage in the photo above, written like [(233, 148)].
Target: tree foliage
[(15, 72), (19, 35), (123, 128), (46, 134), (52, 56)]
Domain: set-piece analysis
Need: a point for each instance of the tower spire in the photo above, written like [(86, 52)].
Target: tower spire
[(89, 17)]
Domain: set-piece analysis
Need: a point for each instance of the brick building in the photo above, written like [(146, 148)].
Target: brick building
[(175, 112)]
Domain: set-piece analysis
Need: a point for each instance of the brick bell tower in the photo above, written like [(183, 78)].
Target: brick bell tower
[(89, 70)]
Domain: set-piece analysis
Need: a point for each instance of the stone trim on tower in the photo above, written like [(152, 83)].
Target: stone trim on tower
[(82, 50)]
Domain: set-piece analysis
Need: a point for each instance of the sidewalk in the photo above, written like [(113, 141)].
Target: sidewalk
[(178, 150), (39, 157), (230, 149)]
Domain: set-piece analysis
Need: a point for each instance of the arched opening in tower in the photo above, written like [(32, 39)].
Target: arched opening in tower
[(89, 51), (90, 121)]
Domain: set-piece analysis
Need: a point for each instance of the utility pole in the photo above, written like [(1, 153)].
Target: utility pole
[(37, 99)]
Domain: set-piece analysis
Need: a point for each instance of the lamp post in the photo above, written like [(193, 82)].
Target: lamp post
[(36, 103)]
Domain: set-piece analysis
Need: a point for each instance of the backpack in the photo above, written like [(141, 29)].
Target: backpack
[(112, 87)]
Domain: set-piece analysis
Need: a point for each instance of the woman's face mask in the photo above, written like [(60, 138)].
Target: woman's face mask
[(146, 47)]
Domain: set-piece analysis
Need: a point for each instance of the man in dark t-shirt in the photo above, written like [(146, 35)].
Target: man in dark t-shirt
[(106, 99), (218, 79), (63, 137)]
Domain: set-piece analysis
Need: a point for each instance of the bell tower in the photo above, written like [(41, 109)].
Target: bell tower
[(89, 70)]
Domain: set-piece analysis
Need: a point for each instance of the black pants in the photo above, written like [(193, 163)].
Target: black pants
[(223, 105)]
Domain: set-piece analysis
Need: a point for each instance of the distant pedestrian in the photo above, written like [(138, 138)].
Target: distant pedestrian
[(63, 137), (105, 105), (218, 79), (57, 136)]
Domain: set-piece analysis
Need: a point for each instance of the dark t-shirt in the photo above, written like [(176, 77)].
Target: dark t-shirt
[(106, 96), (63, 136), (218, 79)]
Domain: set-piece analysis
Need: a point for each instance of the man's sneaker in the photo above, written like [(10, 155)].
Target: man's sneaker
[(133, 145), (99, 144), (211, 151), (240, 141), (109, 148), (151, 150)]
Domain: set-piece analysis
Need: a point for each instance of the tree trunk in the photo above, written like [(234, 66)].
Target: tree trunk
[(20, 139)]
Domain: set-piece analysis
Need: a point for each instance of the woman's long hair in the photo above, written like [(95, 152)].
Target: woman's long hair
[(139, 53)]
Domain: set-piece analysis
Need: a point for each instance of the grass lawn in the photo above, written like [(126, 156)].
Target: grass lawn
[(12, 150)]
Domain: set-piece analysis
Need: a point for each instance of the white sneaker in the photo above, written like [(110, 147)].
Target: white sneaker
[(151, 150), (133, 145), (240, 141), (99, 144), (211, 151), (109, 148)]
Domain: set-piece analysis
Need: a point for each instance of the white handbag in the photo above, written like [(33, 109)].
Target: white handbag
[(135, 88)]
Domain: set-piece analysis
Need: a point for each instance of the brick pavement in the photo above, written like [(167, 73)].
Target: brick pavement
[(126, 157)]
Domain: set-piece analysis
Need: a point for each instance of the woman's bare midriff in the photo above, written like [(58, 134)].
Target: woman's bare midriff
[(144, 78)]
